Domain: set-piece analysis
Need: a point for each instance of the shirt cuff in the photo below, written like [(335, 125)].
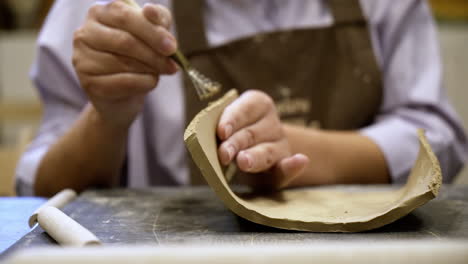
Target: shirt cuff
[(398, 141), (26, 170)]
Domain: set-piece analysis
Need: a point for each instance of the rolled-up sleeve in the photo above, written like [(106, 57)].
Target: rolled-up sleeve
[(53, 75), (413, 93)]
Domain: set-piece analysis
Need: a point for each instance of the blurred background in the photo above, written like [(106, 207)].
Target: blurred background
[(20, 109)]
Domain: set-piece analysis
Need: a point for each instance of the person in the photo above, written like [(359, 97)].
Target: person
[(333, 92)]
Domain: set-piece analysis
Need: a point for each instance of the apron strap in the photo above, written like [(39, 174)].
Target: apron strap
[(190, 25), (346, 11)]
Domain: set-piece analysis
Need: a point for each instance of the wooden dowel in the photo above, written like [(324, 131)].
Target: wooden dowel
[(65, 230), (59, 201)]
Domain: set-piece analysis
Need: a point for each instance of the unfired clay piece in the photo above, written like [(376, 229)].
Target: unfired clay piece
[(64, 230), (320, 209), (59, 200)]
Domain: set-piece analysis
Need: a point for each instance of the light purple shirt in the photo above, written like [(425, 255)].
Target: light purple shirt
[(404, 41)]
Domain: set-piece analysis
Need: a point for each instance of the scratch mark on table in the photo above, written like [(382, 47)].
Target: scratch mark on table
[(252, 238), (156, 238), (433, 234)]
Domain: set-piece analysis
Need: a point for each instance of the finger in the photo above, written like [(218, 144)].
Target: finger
[(282, 175), (114, 41), (158, 15), (262, 157), (266, 130), (246, 110), (119, 15), (289, 169), (92, 62), (120, 85)]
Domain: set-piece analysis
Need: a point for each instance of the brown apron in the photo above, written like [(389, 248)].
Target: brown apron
[(326, 77)]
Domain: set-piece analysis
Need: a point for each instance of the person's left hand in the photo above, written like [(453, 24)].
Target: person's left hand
[(252, 135)]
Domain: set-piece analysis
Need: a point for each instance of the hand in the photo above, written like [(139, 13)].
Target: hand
[(253, 136), (119, 54)]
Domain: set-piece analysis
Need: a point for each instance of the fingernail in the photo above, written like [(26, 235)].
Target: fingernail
[(168, 46), (227, 130), (153, 15), (230, 150), (164, 21), (248, 159)]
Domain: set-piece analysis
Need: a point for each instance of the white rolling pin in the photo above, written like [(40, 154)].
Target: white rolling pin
[(59, 201), (65, 230)]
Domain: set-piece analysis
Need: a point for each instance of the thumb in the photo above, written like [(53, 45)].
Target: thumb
[(158, 15), (290, 168)]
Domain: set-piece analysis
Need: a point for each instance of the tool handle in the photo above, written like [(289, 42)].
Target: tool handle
[(181, 60)]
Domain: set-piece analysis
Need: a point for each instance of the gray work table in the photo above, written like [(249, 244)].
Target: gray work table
[(167, 216)]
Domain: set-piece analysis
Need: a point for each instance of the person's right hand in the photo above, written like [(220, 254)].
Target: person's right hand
[(119, 54)]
